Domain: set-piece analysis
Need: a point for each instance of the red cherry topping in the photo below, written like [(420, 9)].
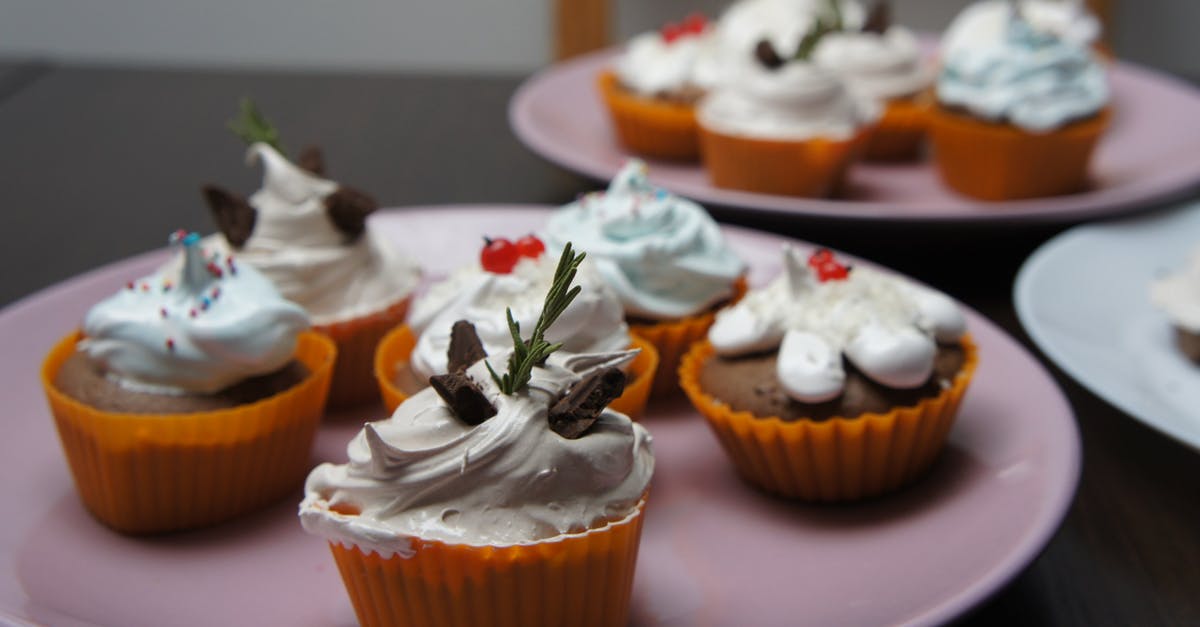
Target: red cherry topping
[(695, 23), (826, 267), (499, 255), (530, 246), (671, 31)]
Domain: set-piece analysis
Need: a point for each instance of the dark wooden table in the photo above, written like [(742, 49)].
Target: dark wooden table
[(97, 164)]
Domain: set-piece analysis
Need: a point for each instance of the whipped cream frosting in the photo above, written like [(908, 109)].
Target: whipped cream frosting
[(987, 20), (663, 255), (878, 66), (886, 326), (1178, 295), (592, 323), (197, 325), (651, 66), (797, 101), (309, 260), (424, 474)]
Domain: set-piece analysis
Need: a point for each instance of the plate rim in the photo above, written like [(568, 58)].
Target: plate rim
[(1018, 212)]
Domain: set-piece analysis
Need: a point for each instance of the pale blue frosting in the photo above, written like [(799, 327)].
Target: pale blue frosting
[(1029, 78), (663, 255), (199, 324)]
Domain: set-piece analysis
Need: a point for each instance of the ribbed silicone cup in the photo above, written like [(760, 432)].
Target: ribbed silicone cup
[(811, 168), (150, 473), (673, 338), (839, 459), (397, 347), (582, 579), (992, 161), (356, 339), (652, 128), (900, 132)]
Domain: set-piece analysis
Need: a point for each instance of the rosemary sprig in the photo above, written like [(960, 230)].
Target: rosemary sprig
[(252, 127), (828, 22), (534, 351)]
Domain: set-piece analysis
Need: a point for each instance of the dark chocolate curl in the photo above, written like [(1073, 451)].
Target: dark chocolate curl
[(348, 209), (234, 216), (465, 347), (879, 20), (576, 412), (465, 399), (767, 55), (312, 160)]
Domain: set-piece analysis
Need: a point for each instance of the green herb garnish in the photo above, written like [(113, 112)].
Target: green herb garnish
[(533, 352), (829, 21), (252, 127)]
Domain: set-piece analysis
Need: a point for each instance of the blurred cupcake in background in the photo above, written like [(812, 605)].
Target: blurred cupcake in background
[(1069, 20), (884, 62), (785, 125), (653, 85), (309, 235), (1020, 110)]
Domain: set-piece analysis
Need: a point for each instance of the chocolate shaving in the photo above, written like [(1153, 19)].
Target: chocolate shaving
[(312, 160), (465, 399), (767, 55), (348, 209), (879, 19), (576, 412), (465, 347), (234, 216)]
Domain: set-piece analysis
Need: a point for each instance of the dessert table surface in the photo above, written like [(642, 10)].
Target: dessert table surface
[(99, 163)]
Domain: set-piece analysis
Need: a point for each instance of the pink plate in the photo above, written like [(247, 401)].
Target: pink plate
[(714, 551), (1151, 154)]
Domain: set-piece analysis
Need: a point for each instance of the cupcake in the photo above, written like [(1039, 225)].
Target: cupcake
[(310, 236), (663, 256), (1019, 112), (883, 62), (510, 278), (832, 383), (784, 125), (492, 499), (1178, 296), (190, 397), (652, 88)]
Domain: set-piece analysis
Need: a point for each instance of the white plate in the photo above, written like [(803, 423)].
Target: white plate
[(1084, 299)]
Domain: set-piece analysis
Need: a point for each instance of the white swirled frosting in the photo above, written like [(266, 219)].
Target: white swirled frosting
[(884, 325), (1178, 295), (988, 19), (1030, 78), (650, 65), (663, 255), (199, 326), (297, 247), (592, 323), (782, 22), (882, 67), (797, 101), (424, 474)]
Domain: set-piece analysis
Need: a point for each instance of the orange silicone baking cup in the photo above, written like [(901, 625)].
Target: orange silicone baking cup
[(673, 338), (149, 473), (397, 346), (993, 161), (582, 579), (356, 339), (900, 132), (647, 126), (812, 168), (839, 459)]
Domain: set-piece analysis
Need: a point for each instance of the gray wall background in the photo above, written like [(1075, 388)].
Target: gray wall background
[(431, 35)]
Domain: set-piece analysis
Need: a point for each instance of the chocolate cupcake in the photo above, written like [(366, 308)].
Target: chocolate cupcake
[(832, 383), (181, 376)]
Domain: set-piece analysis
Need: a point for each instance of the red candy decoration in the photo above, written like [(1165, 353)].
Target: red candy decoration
[(530, 246), (693, 24), (826, 267), (499, 255)]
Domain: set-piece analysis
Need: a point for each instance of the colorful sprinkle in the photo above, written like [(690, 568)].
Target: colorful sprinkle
[(170, 344), (214, 269), (129, 285), (145, 287), (162, 311), (216, 293), (167, 286), (192, 313)]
